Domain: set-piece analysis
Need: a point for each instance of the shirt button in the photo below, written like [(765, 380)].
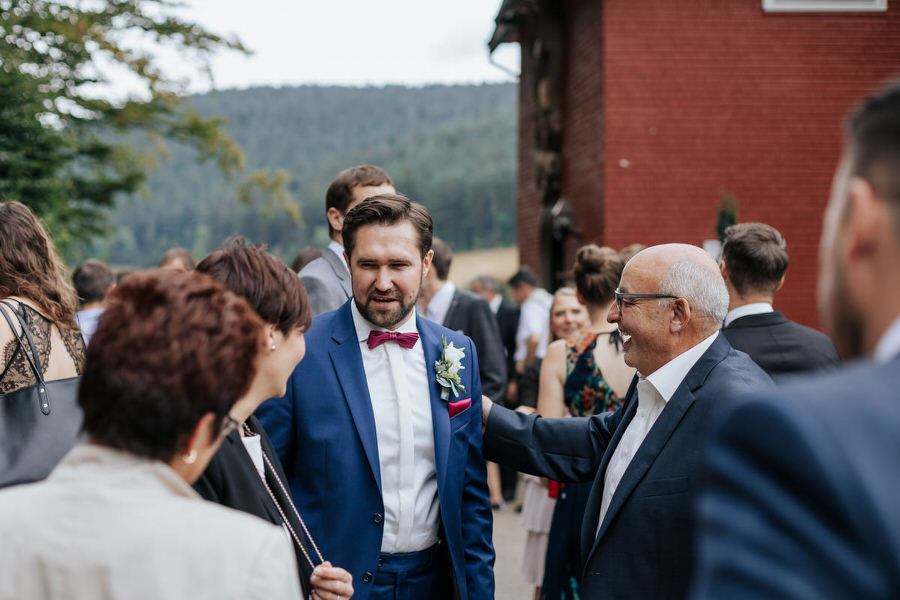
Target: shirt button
[(377, 519), (367, 577)]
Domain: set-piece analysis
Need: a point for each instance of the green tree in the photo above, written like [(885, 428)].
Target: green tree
[(63, 144)]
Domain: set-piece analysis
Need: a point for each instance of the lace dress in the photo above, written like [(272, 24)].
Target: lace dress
[(15, 370), (586, 393)]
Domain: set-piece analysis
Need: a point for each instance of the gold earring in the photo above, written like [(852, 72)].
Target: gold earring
[(191, 457)]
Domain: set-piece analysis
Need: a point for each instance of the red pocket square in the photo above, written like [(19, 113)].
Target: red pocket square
[(459, 406)]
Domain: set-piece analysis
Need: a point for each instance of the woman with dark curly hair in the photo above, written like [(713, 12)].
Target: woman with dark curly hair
[(245, 473), (117, 518)]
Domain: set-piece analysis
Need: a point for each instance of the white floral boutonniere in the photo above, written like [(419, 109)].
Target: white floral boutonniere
[(447, 370)]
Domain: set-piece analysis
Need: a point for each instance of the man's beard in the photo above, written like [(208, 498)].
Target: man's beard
[(388, 318), (842, 320)]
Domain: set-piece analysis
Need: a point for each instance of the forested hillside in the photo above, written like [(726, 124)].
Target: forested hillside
[(450, 147)]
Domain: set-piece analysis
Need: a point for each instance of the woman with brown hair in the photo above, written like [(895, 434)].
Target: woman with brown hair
[(33, 279), (582, 375), (245, 473), (117, 517), (38, 335)]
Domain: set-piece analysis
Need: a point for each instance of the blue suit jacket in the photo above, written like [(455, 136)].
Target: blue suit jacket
[(323, 430), (804, 493), (644, 548)]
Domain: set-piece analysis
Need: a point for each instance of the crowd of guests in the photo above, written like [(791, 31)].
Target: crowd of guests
[(238, 428)]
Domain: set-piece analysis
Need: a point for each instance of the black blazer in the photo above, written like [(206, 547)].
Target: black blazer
[(232, 480), (781, 347), (508, 320), (471, 315), (644, 548)]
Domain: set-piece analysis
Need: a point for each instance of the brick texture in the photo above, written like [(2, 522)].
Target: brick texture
[(670, 104)]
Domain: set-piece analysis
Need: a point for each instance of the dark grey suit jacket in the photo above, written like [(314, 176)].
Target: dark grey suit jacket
[(802, 495), (471, 315), (327, 282), (781, 347), (644, 548)]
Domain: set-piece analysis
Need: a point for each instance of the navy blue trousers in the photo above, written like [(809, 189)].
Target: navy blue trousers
[(411, 576)]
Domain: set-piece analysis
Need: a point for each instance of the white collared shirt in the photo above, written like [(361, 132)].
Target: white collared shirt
[(654, 393), (397, 380), (338, 249), (440, 303), (495, 303), (889, 345), (534, 319), (754, 308)]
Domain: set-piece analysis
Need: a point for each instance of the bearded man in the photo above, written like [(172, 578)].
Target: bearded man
[(380, 429), (802, 499)]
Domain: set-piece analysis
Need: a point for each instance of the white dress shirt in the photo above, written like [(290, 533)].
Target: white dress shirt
[(534, 319), (440, 303), (495, 303), (397, 379), (889, 345), (654, 393), (339, 250), (754, 308)]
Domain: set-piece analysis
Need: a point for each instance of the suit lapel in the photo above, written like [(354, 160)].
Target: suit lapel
[(348, 366), (658, 435), (340, 270), (595, 498), (432, 346), (450, 317)]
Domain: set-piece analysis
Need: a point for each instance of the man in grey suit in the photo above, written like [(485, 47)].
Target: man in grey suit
[(327, 279)]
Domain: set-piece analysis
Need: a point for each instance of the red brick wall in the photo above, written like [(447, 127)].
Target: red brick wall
[(698, 96), (583, 151), (529, 205), (704, 95)]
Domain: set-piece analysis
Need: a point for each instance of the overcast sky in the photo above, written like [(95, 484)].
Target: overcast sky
[(353, 42)]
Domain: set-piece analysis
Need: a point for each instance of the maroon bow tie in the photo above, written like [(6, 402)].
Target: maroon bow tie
[(377, 338)]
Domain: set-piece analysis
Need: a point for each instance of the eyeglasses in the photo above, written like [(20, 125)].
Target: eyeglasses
[(229, 425), (627, 296)]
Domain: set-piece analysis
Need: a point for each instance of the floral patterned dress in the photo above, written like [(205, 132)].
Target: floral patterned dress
[(586, 393)]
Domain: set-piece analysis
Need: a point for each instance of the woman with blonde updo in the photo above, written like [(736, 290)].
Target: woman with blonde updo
[(582, 375)]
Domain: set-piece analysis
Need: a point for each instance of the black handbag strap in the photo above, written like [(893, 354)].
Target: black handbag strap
[(33, 358)]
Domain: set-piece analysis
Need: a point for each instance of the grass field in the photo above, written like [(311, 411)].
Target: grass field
[(502, 263)]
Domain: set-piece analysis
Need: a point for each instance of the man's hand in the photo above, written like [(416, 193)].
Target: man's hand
[(486, 405), (331, 583)]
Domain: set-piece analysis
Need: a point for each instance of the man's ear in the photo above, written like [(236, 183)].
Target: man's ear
[(724, 270), (864, 220), (681, 315), (781, 282), (426, 263), (335, 219)]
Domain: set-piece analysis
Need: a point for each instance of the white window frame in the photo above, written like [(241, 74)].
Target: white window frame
[(824, 5)]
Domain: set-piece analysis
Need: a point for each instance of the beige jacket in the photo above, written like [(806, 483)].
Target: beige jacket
[(109, 525)]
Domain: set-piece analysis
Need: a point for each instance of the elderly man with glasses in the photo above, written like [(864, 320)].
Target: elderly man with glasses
[(644, 459)]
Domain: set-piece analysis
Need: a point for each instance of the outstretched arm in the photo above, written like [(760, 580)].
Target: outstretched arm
[(566, 449)]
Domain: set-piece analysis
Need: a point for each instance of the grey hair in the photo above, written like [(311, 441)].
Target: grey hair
[(487, 282), (704, 290)]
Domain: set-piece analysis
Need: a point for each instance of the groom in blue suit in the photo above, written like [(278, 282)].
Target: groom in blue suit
[(380, 428)]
